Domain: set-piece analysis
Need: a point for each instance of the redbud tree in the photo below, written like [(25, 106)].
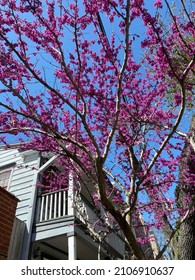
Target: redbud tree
[(88, 81)]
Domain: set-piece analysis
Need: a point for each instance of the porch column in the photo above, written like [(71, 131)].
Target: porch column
[(72, 247), (72, 242), (71, 210)]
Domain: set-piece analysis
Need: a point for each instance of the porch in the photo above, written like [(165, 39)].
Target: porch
[(67, 247), (59, 228)]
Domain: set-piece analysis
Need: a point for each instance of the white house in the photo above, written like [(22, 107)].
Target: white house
[(52, 227)]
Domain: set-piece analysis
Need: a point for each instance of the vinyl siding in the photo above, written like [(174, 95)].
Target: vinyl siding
[(22, 181), (9, 157)]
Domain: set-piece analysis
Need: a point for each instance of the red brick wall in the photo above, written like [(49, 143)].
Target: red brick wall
[(8, 203)]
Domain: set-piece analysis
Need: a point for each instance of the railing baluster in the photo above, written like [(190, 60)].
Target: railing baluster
[(42, 208), (46, 207), (38, 213), (64, 203), (59, 204), (53, 205)]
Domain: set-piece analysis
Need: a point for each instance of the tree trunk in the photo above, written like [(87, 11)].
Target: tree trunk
[(186, 236), (186, 240)]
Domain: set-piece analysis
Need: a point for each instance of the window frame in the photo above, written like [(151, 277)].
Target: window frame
[(4, 170)]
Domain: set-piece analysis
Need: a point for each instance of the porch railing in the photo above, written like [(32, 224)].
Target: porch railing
[(53, 205)]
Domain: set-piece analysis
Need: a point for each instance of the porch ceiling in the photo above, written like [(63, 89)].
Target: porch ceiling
[(57, 248)]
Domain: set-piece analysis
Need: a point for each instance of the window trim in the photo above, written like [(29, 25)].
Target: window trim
[(4, 169)]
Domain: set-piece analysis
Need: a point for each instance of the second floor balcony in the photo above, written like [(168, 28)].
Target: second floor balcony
[(58, 213)]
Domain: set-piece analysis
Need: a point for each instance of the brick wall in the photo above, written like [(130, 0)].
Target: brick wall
[(8, 203)]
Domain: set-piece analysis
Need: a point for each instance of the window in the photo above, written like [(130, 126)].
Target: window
[(4, 178)]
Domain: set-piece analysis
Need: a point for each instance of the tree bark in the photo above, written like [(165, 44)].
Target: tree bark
[(186, 240), (186, 235)]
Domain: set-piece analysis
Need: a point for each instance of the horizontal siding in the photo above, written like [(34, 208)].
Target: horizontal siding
[(26, 180), (22, 179), (23, 172), (53, 228), (22, 190), (7, 152), (9, 156), (22, 215), (23, 203), (24, 196)]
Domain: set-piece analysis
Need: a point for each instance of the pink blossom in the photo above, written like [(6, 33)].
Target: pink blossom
[(158, 4), (177, 99), (100, 97)]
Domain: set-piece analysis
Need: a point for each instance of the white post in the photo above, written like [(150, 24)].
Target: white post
[(72, 242), (71, 195), (46, 207), (42, 208), (59, 204), (55, 205), (72, 247), (51, 207)]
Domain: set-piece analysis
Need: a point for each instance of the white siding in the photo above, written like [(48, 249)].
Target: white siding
[(9, 157), (22, 181)]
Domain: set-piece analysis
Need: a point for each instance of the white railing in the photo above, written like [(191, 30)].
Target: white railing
[(53, 205)]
